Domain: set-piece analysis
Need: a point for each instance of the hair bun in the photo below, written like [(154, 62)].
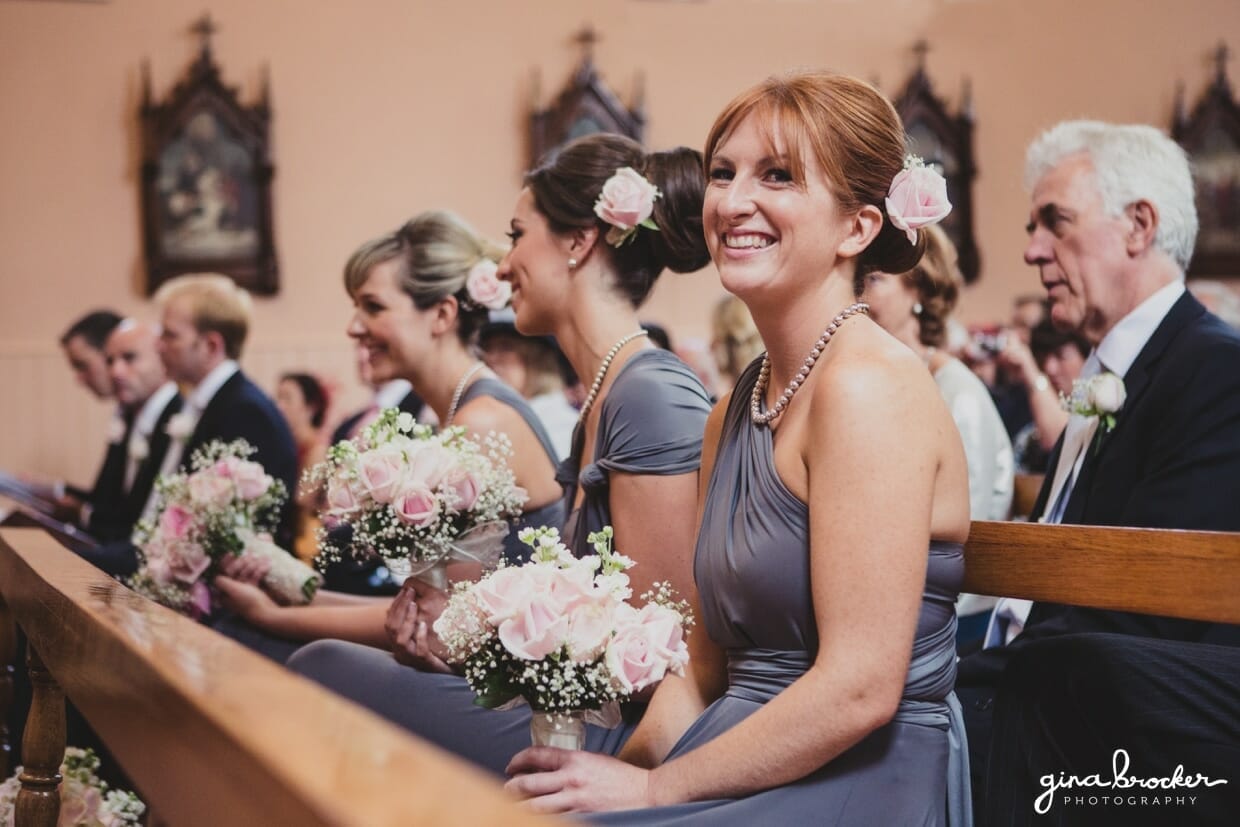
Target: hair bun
[(680, 244)]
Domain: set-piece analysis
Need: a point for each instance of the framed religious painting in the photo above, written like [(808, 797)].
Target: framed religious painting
[(1211, 137), (206, 180), (584, 107), (944, 141)]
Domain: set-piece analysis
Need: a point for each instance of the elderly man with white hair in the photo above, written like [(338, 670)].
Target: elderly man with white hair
[(1155, 443)]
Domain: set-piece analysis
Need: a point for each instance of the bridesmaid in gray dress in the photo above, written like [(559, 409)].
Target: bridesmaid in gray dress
[(829, 553), (636, 449), (416, 317)]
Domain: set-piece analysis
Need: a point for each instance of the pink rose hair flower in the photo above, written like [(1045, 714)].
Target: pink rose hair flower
[(917, 198), (626, 203), (484, 287)]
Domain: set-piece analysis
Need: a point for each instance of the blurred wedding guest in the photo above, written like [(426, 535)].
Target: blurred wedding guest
[(1218, 298), (534, 366), (833, 509), (914, 307), (205, 321), (147, 400), (1046, 368), (83, 344), (394, 393), (1028, 311), (635, 455), (304, 403), (735, 340), (1112, 224), (416, 315)]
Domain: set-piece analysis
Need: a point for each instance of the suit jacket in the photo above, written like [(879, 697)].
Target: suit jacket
[(115, 510), (410, 404), (240, 410), (1172, 461)]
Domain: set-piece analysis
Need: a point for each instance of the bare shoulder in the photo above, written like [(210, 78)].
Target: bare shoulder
[(486, 413), (874, 375)]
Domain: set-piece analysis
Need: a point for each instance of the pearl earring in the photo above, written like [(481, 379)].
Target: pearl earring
[(572, 262), (916, 308)]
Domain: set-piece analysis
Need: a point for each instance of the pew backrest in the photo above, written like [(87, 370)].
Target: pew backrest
[(1184, 574)]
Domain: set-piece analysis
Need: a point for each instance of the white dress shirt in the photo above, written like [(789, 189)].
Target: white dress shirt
[(139, 444), (195, 403), (1115, 353)]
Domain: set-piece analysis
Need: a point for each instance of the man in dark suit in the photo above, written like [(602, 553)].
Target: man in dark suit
[(1111, 230), (205, 319), (147, 400)]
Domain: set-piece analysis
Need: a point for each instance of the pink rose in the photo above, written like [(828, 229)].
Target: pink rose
[(415, 504), (589, 628), (199, 600), (461, 487), (187, 562), (573, 585), (646, 648), (537, 630), (77, 805), (251, 480), (175, 522), (484, 287), (430, 463), (340, 496), (209, 489), (627, 200), (917, 198), (158, 570), (503, 593), (380, 472)]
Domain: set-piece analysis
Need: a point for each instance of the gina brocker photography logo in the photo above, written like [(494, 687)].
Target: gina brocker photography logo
[(1180, 789)]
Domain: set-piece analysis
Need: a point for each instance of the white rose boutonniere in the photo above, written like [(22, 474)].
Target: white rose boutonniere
[(139, 448), (116, 430), (1101, 396), (181, 426)]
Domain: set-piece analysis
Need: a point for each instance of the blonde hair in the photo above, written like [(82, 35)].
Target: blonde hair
[(436, 251), (737, 342), (937, 280), (216, 305)]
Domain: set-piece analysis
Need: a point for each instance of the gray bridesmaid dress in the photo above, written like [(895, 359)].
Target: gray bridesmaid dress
[(651, 422), (752, 570)]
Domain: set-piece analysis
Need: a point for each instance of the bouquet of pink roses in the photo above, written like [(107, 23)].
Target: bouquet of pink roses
[(85, 800), (225, 505), (559, 634), (417, 498)]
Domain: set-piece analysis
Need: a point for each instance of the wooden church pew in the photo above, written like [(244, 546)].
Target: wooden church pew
[(210, 733), (1186, 574)]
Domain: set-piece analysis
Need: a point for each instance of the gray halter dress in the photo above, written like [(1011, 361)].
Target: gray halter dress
[(651, 422), (752, 570)]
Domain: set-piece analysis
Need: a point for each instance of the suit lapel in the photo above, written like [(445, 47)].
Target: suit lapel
[(1136, 382), (148, 469), (207, 427)]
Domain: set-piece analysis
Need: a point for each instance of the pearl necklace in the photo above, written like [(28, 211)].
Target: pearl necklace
[(460, 389), (602, 370), (764, 375)]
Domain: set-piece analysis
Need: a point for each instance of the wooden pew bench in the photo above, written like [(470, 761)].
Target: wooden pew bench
[(211, 733), (1193, 575)]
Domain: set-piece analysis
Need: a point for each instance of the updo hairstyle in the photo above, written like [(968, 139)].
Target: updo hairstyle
[(566, 184)]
